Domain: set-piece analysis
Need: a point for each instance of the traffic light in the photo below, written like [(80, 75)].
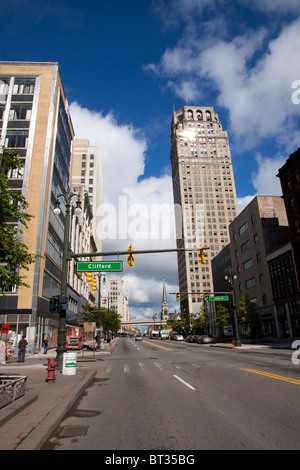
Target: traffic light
[(63, 303), (54, 304), (205, 296), (94, 284), (88, 277), (130, 257), (177, 296), (202, 258)]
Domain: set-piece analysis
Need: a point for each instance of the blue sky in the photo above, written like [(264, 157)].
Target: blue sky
[(126, 65)]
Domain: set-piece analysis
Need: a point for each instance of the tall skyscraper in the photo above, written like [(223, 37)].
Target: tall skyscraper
[(204, 197)]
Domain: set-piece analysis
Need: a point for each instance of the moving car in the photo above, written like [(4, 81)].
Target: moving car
[(138, 338)]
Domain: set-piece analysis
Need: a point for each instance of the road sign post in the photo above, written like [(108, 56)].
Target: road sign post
[(102, 266)]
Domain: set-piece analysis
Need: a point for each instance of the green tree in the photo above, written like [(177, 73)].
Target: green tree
[(222, 316), (13, 220), (248, 315), (203, 320), (110, 320)]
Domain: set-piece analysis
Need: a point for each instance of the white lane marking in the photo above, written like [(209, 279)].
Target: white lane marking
[(185, 383), (141, 365), (108, 370), (126, 368), (158, 365)]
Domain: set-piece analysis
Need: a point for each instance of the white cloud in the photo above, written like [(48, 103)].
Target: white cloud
[(138, 212), (244, 201), (264, 179), (121, 147), (277, 7), (252, 75)]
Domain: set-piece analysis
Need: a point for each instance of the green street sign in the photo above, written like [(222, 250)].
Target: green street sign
[(218, 298), (91, 266)]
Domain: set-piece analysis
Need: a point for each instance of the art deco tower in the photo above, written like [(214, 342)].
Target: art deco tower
[(204, 197)]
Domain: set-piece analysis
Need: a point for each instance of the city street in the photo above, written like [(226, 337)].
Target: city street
[(168, 395)]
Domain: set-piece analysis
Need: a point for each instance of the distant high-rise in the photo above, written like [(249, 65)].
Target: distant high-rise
[(204, 197), (86, 171)]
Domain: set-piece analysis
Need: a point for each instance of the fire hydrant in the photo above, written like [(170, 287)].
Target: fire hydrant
[(51, 370)]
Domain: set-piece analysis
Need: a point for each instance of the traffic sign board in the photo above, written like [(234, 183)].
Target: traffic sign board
[(91, 266), (218, 298)]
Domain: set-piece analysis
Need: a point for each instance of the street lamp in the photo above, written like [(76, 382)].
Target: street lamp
[(230, 277), (62, 332), (99, 310)]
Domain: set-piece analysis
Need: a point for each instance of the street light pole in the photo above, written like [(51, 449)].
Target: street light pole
[(63, 304), (99, 312), (230, 277)]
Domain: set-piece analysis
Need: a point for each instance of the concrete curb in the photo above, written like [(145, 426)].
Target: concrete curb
[(37, 437), (9, 411)]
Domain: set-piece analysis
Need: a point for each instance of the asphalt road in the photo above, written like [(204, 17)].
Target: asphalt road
[(166, 395)]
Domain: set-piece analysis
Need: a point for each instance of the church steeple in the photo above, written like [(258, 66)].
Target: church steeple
[(164, 304)]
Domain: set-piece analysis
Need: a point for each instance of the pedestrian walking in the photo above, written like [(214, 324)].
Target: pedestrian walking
[(22, 349), (46, 345)]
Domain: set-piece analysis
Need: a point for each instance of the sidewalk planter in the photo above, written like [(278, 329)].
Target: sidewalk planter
[(12, 387)]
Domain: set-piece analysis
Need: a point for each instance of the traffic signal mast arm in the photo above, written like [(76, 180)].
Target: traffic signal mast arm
[(134, 252)]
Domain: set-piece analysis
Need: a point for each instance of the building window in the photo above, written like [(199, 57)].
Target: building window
[(243, 228), (250, 283), (248, 264), (245, 246), (24, 86), (16, 139)]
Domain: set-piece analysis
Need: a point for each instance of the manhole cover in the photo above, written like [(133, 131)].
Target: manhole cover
[(72, 431)]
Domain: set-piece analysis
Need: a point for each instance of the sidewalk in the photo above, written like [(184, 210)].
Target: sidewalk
[(273, 343), (28, 422)]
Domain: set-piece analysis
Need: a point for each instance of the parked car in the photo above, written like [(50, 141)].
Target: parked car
[(179, 338), (173, 336), (191, 339), (138, 338), (203, 339)]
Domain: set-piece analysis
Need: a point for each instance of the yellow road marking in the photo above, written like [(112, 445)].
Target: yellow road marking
[(273, 376), (168, 349)]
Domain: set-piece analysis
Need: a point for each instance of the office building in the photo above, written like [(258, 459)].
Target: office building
[(204, 197), (35, 122), (116, 299), (260, 229), (86, 171), (289, 175)]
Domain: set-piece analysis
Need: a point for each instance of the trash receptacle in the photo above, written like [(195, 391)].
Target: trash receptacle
[(69, 363)]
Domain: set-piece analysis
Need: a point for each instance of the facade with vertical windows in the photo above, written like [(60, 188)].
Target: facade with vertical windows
[(86, 171), (204, 197), (35, 121), (260, 229), (289, 175), (116, 299)]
